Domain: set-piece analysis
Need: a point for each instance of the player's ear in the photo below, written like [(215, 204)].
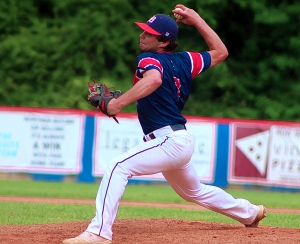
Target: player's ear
[(164, 43)]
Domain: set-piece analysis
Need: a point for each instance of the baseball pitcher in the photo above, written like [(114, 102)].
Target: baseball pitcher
[(161, 87)]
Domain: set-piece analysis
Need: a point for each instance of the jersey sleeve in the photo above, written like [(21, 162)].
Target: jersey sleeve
[(199, 62), (146, 61)]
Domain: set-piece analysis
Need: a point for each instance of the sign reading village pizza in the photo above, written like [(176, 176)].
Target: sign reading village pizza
[(284, 159), (265, 154)]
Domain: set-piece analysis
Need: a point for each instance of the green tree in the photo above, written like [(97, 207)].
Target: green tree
[(50, 49)]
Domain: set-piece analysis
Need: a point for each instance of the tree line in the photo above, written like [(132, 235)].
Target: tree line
[(50, 49)]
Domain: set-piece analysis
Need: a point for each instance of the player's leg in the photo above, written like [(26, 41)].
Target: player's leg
[(161, 154), (186, 183)]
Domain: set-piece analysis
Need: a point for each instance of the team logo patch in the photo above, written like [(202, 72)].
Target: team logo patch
[(152, 19)]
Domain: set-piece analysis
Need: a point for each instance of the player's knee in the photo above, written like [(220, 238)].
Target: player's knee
[(117, 168)]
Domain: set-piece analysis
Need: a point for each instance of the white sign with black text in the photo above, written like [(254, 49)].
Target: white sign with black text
[(113, 139), (284, 156), (36, 142)]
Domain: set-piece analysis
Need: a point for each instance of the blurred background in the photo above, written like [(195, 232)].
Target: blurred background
[(50, 49)]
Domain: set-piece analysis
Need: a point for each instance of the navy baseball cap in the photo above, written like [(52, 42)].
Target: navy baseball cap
[(162, 25)]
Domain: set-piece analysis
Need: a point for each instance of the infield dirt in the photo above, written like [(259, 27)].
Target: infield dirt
[(148, 231)]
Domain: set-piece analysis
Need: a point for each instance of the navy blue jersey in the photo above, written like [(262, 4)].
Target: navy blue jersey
[(163, 106)]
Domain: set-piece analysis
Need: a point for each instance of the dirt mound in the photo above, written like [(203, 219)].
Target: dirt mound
[(149, 231), (153, 231)]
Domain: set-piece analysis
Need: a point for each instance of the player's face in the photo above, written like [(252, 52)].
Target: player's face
[(149, 42)]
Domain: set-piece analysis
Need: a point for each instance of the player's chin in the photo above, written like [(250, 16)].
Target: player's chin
[(143, 47)]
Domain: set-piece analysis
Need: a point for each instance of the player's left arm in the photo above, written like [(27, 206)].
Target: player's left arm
[(149, 83)]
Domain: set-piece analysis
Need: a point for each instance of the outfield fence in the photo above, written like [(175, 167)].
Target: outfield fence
[(64, 144)]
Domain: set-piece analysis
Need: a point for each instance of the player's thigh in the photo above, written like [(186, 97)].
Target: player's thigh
[(184, 180)]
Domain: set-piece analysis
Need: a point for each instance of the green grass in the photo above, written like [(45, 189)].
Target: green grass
[(138, 193), (43, 213), (47, 189), (38, 213), (269, 198)]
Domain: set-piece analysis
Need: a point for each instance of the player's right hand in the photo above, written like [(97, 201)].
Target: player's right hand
[(189, 16)]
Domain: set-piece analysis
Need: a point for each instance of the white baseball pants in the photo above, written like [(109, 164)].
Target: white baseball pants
[(170, 153)]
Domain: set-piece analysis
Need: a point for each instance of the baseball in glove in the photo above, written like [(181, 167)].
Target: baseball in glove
[(100, 95)]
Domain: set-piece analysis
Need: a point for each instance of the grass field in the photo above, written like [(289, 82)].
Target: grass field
[(39, 213)]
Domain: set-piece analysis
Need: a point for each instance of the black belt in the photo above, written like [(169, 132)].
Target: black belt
[(173, 127)]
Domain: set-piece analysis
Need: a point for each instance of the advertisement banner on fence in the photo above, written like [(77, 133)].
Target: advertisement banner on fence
[(262, 154), (40, 142), (113, 139)]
